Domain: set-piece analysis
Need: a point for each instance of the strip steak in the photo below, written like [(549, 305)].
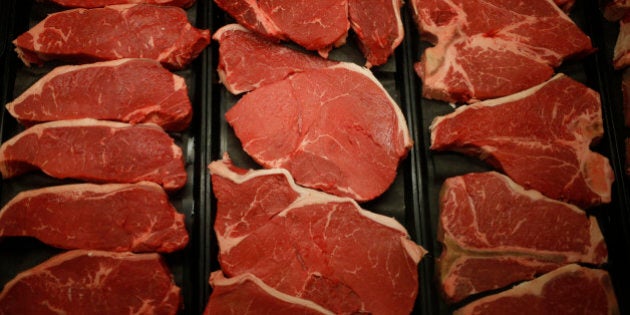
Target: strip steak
[(113, 217), (127, 90)]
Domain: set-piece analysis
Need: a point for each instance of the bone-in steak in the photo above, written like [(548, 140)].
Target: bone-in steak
[(127, 90), (248, 61), (98, 151), (488, 220), (335, 129), (113, 217), (161, 33), (523, 41), (93, 282), (568, 290), (539, 137), (312, 245)]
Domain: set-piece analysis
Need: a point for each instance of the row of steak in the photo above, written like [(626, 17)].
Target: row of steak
[(102, 123)]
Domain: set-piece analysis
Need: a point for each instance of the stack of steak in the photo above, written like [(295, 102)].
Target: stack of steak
[(536, 128), (102, 123)]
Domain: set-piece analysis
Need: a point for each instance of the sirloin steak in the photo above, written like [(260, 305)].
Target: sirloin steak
[(94, 150), (247, 294), (539, 137), (93, 282), (312, 245), (127, 90), (248, 61), (496, 233), (334, 129), (314, 25), (568, 290), (113, 217), (162, 33), (102, 3), (523, 41)]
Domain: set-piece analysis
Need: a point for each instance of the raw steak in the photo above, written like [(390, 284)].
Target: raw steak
[(335, 129), (488, 220), (621, 55), (93, 282), (102, 3), (314, 25), (539, 137), (128, 90), (246, 294), (569, 290), (312, 245), (615, 10), (523, 41), (248, 61), (93, 150), (378, 26), (565, 5), (113, 217), (119, 31)]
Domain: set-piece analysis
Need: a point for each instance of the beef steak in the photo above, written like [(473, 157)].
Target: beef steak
[(102, 3), (621, 53), (248, 61), (128, 90), (314, 25), (246, 294), (94, 150), (487, 219), (162, 33), (615, 10), (93, 282), (312, 245), (523, 41), (568, 290), (335, 129), (113, 217), (539, 137)]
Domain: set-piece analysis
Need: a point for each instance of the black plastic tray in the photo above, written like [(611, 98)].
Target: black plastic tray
[(413, 197)]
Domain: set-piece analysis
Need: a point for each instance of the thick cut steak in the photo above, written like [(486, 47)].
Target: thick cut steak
[(539, 137), (621, 54), (94, 150), (127, 90), (93, 282), (248, 61), (312, 245), (246, 294), (162, 33), (568, 290), (487, 219), (378, 26), (113, 217), (523, 41), (102, 3), (314, 25), (335, 129)]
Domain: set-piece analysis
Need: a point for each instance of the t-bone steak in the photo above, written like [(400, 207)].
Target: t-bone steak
[(246, 294), (496, 233), (127, 90), (378, 27), (248, 61), (335, 129), (102, 3), (539, 137), (523, 41), (568, 290), (93, 282), (621, 53), (98, 151), (314, 25), (113, 217), (162, 33), (312, 245)]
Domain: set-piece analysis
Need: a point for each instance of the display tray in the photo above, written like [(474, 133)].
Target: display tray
[(413, 197)]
